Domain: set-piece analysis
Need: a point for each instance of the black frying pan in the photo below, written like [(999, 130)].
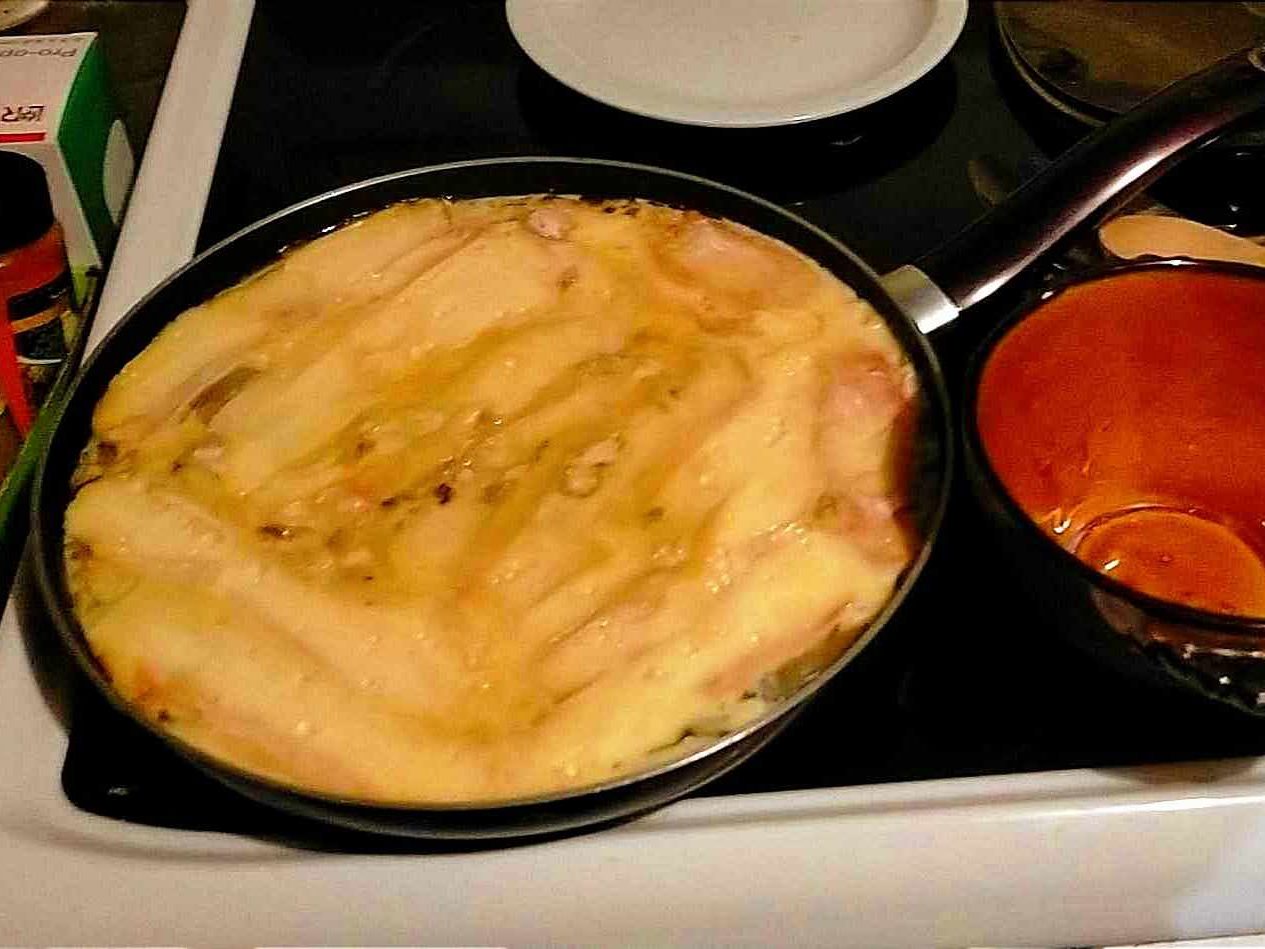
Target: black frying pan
[(914, 300)]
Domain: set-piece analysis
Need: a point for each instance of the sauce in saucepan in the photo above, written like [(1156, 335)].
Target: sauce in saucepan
[(1126, 416)]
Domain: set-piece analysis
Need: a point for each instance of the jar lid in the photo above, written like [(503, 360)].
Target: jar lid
[(25, 209)]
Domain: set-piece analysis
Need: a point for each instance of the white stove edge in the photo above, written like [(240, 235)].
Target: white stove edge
[(1060, 858), (164, 214)]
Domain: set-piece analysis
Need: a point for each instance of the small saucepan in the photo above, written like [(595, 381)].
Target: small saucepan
[(1104, 170), (1113, 438)]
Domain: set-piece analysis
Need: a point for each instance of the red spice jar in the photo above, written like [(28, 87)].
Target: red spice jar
[(35, 291)]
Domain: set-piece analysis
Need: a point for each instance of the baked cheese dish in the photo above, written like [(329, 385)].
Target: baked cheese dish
[(471, 501)]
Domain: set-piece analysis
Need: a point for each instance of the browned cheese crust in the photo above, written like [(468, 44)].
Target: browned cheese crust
[(470, 501)]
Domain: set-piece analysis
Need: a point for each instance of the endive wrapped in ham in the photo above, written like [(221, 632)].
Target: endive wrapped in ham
[(478, 500)]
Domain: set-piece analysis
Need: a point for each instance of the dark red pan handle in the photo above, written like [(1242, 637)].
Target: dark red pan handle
[(1098, 175)]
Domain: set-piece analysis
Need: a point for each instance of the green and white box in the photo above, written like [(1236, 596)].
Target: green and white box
[(56, 107)]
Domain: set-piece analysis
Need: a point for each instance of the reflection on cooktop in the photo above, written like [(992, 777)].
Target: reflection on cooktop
[(965, 680)]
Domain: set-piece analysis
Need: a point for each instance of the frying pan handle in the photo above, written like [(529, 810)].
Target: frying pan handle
[(1099, 174)]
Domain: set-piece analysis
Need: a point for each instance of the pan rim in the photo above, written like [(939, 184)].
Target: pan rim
[(49, 566)]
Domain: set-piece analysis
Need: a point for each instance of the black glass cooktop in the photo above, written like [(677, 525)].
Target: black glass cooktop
[(967, 680)]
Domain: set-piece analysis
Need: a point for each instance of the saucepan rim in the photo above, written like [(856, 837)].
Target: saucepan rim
[(1154, 607)]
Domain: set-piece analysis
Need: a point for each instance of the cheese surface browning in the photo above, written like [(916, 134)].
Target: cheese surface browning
[(477, 500)]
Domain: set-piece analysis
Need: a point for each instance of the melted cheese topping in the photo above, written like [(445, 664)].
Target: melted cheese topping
[(476, 500)]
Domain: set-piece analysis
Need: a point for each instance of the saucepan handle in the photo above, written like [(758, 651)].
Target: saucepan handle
[(1098, 175)]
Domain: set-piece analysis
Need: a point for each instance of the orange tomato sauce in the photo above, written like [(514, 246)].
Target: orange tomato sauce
[(1126, 416)]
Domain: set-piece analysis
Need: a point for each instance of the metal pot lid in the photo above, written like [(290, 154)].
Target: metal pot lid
[(1095, 60)]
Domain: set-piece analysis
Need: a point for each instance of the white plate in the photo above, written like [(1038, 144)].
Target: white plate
[(737, 63)]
